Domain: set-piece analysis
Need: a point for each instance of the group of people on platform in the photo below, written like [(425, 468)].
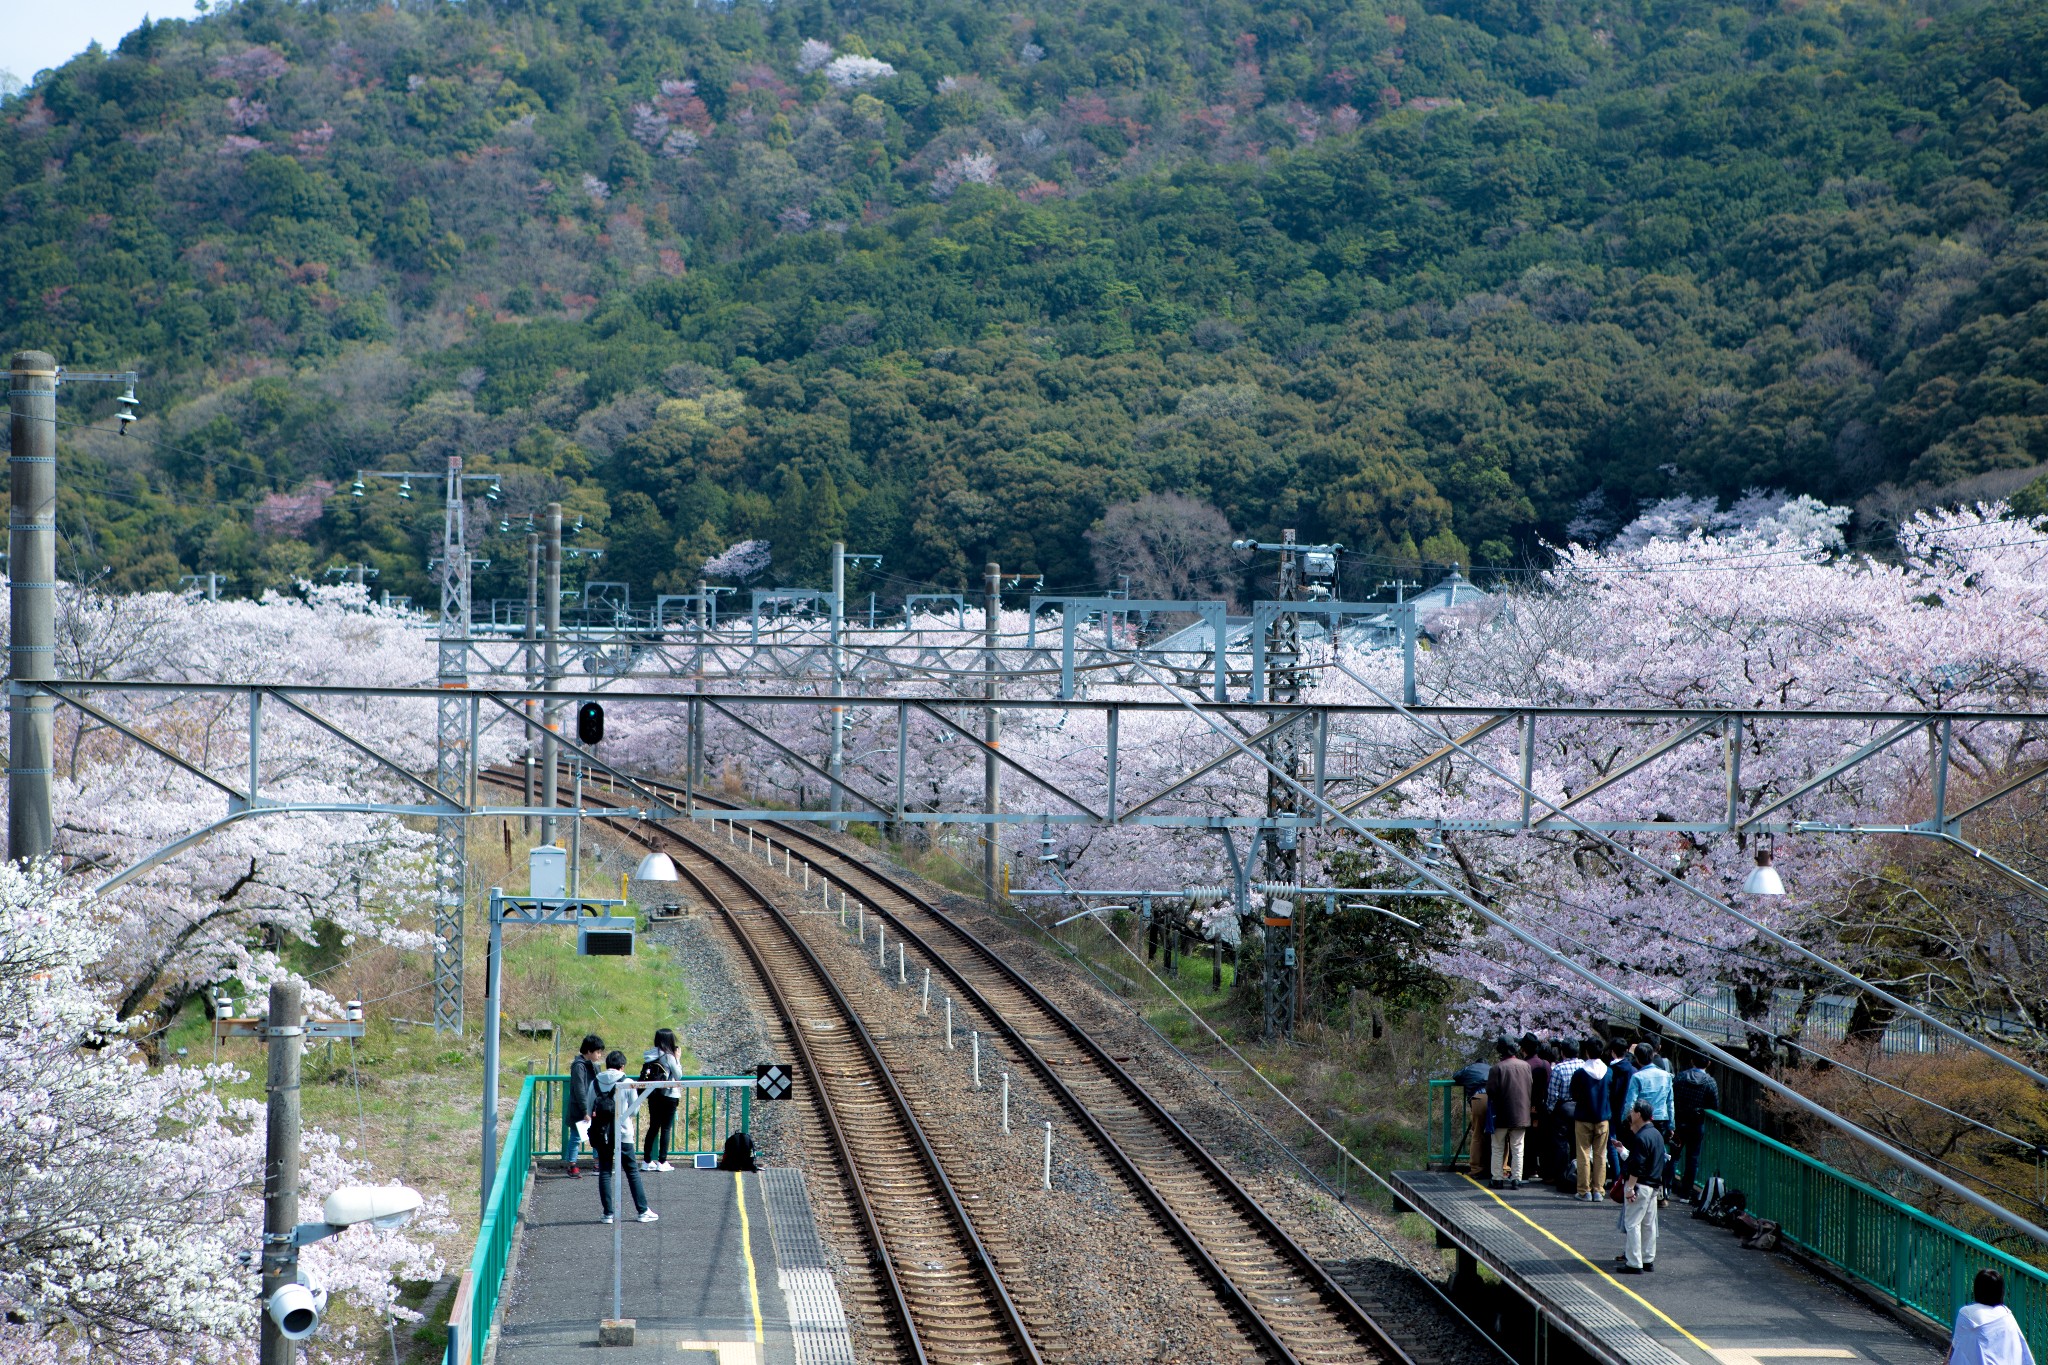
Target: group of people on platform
[(601, 1112), (1616, 1105), (1600, 1105)]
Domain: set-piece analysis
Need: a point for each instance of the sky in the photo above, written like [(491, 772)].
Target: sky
[(33, 37)]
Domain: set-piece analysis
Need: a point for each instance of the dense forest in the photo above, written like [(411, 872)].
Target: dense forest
[(1443, 281)]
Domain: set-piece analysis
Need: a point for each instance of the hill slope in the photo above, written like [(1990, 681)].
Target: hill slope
[(1437, 281)]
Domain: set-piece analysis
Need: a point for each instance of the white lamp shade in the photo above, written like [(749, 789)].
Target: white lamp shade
[(388, 1206), (1764, 880), (657, 867)]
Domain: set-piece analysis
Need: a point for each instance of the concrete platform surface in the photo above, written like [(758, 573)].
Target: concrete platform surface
[(1709, 1302), (708, 1283)]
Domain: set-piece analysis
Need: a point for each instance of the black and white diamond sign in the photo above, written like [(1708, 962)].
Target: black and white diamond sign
[(773, 1080)]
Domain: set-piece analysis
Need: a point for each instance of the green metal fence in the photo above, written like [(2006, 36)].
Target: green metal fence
[(712, 1109), (1446, 1124), (1915, 1260), (501, 1220)]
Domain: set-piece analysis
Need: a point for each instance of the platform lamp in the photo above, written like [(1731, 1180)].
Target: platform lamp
[(1763, 879), (655, 867)]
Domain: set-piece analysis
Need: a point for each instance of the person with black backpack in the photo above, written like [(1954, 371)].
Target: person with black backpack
[(1589, 1122), (660, 1063), (611, 1133)]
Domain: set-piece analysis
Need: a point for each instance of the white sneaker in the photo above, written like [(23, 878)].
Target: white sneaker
[(650, 1217), (666, 1167), (606, 1219)]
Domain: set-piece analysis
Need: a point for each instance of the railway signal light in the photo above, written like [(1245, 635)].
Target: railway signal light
[(590, 722)]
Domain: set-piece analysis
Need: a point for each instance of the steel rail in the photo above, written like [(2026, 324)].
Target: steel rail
[(1262, 1223), (814, 1074)]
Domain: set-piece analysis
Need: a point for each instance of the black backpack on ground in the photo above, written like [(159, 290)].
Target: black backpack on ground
[(738, 1155)]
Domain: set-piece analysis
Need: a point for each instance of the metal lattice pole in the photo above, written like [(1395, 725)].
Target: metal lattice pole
[(452, 761), (992, 731), (1283, 802), (836, 763)]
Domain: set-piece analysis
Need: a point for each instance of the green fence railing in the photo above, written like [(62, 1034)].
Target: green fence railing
[(1446, 1122), (1914, 1259), (710, 1109), (501, 1220)]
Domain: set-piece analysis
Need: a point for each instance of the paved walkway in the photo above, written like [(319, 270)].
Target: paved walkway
[(1708, 1303), (733, 1273)]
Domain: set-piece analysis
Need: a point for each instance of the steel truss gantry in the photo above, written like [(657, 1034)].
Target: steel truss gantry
[(1094, 786), (796, 649)]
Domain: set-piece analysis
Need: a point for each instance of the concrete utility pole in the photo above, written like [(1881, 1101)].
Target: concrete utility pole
[(532, 659), (836, 764), (286, 1040), (992, 774), (551, 619), (1283, 801), (32, 601)]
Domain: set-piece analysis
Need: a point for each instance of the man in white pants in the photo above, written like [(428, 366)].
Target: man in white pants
[(1645, 1175)]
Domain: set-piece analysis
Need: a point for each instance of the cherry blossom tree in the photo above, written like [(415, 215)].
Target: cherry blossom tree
[(128, 1193)]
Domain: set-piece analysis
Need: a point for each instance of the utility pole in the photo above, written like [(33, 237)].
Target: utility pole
[(1400, 587), (532, 661), (836, 764), (32, 601), (703, 624), (1283, 803), (285, 1039), (551, 606), (992, 775), (452, 759)]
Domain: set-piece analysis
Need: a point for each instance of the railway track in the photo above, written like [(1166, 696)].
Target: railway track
[(949, 1304), (1285, 1301)]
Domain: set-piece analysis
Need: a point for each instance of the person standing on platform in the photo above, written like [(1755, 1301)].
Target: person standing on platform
[(1508, 1088), (611, 1133), (1472, 1079), (1650, 1085), (1537, 1054), (1562, 1113), (582, 1095), (1986, 1332), (1621, 1069), (1645, 1177), (1589, 1124), (660, 1063), (1693, 1094)]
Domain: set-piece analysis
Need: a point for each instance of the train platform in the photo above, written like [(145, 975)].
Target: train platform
[(1709, 1301), (733, 1273)]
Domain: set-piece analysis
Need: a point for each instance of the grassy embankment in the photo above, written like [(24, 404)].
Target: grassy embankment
[(409, 1098)]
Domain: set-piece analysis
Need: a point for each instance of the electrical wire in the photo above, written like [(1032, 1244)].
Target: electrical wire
[(1797, 949), (1588, 975)]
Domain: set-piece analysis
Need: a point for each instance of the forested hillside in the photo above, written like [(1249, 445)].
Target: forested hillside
[(1440, 281)]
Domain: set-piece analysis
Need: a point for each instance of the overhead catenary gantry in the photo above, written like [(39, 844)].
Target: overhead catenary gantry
[(1096, 786)]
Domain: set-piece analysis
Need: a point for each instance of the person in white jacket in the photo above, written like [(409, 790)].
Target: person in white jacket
[(1986, 1332), (611, 1136)]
